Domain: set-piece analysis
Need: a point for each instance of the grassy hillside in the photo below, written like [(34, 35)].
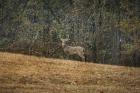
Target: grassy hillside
[(30, 74)]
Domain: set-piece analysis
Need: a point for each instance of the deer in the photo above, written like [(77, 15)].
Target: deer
[(72, 50)]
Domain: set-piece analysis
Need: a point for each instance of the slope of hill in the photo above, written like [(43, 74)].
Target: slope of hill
[(29, 74)]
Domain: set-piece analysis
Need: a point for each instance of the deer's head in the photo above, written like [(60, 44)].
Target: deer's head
[(63, 41)]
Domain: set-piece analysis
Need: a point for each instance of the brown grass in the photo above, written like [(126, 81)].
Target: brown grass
[(29, 74)]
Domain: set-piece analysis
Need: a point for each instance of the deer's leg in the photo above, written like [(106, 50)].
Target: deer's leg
[(67, 56), (82, 57)]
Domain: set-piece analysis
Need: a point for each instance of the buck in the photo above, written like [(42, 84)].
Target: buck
[(72, 50)]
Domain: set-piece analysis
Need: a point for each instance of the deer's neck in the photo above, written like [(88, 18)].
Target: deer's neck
[(63, 46)]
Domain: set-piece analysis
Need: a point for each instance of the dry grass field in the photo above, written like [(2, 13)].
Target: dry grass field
[(29, 74)]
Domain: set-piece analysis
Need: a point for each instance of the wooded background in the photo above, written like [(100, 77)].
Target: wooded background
[(109, 30)]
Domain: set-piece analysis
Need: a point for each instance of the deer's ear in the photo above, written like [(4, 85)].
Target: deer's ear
[(67, 39)]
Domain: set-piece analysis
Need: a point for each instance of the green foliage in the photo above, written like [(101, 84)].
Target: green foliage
[(129, 48), (4, 42), (130, 25)]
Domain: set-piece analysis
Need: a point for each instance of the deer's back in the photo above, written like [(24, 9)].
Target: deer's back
[(73, 50)]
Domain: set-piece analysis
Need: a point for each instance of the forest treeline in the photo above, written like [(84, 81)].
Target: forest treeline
[(109, 30)]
